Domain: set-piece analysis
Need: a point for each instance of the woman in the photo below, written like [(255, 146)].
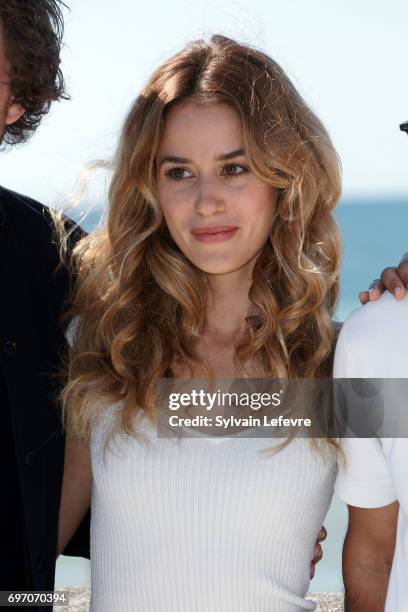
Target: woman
[(220, 255)]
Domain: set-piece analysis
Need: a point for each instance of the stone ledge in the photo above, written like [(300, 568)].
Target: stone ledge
[(79, 601)]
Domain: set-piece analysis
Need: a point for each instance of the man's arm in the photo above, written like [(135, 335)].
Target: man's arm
[(367, 557)]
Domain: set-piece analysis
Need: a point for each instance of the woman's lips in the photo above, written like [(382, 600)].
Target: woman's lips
[(214, 233)]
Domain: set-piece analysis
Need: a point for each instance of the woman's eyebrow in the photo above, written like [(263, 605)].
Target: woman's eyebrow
[(171, 159), (230, 155)]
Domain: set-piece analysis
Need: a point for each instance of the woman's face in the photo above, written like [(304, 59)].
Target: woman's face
[(217, 211)]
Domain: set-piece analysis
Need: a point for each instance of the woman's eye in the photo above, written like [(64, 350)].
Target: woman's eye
[(178, 174), (234, 169)]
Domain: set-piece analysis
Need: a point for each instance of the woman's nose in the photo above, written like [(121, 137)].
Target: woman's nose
[(210, 198)]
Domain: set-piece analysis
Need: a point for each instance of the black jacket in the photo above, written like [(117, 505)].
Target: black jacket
[(33, 296)]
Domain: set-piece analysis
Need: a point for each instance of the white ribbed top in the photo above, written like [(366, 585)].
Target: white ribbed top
[(203, 525)]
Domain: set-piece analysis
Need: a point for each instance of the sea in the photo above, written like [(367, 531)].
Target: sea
[(375, 235)]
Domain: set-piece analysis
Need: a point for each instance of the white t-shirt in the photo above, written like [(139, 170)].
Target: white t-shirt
[(374, 344)]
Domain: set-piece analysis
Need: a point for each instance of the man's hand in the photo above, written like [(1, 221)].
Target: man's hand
[(367, 557), (393, 279), (318, 551)]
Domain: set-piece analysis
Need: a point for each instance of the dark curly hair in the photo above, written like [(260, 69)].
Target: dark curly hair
[(33, 32)]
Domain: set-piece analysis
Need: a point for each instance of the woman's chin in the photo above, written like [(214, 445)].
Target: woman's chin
[(220, 268)]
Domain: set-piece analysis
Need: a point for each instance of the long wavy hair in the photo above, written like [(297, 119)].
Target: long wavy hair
[(141, 304)]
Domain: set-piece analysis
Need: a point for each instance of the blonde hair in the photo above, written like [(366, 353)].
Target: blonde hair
[(142, 303)]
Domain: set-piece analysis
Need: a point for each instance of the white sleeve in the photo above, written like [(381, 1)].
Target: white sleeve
[(364, 480)]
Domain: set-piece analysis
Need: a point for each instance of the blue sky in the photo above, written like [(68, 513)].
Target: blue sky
[(347, 58)]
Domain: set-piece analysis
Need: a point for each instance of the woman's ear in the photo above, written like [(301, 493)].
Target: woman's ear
[(14, 112)]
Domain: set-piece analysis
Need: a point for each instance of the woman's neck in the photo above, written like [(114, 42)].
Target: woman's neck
[(228, 304)]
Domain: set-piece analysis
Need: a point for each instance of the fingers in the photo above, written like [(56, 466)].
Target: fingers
[(317, 556), (396, 279), (374, 291), (403, 270), (392, 281), (322, 534), (363, 297)]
